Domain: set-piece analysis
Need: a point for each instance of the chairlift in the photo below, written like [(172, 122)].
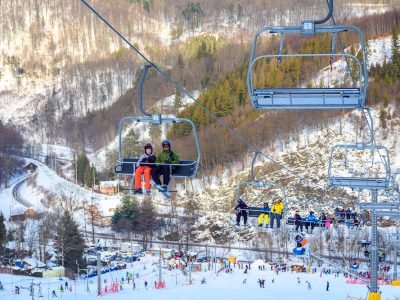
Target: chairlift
[(372, 172), (259, 184), (127, 165), (348, 97), (255, 211)]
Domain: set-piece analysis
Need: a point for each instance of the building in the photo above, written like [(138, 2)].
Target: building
[(30, 213), (109, 187)]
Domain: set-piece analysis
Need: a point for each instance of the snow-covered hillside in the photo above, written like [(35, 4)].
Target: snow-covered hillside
[(43, 185), (380, 51), (59, 59), (307, 155)]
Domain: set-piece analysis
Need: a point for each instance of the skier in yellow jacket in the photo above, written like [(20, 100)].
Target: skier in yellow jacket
[(276, 212), (263, 218)]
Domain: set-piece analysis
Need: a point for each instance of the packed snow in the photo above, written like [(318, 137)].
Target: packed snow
[(218, 285)]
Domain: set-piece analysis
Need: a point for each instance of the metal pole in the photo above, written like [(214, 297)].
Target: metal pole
[(87, 281), (395, 256), (32, 290), (215, 258), (78, 268), (395, 262), (76, 167), (92, 215), (133, 279), (190, 272), (159, 269), (374, 245), (98, 273)]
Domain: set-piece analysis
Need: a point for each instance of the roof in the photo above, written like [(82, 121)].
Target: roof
[(112, 183), (33, 262)]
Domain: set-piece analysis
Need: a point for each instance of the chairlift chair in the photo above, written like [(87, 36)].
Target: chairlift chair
[(127, 165), (372, 174), (255, 211), (309, 98)]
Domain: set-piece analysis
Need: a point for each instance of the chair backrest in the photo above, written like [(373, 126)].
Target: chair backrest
[(186, 168), (255, 211), (127, 166)]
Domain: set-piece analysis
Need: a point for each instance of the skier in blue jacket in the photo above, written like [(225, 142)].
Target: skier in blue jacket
[(311, 220)]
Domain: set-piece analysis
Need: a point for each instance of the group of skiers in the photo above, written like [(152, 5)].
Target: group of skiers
[(267, 217), (310, 221), (152, 167), (269, 214)]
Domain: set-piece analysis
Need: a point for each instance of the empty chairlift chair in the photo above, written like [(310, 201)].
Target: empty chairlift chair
[(268, 97), (359, 166)]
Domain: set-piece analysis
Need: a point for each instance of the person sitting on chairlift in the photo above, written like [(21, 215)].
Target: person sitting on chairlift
[(241, 211), (276, 212), (163, 167), (298, 221), (145, 164), (311, 220), (264, 216)]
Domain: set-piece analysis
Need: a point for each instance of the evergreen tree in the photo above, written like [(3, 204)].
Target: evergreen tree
[(382, 117), (111, 159), (385, 100), (354, 66), (82, 165), (90, 176), (155, 133), (178, 99), (3, 233), (147, 221), (126, 215), (395, 48), (130, 145), (70, 243), (176, 28)]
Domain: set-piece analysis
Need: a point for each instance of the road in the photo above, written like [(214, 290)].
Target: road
[(17, 195)]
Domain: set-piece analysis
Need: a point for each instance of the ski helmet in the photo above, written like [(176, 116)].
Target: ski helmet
[(166, 142), (148, 146)]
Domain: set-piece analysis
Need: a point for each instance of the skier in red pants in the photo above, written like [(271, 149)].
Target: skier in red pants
[(145, 163)]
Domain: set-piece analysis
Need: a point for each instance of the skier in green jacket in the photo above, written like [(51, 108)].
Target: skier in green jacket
[(163, 161)]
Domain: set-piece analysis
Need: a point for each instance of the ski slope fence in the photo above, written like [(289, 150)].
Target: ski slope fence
[(358, 281)]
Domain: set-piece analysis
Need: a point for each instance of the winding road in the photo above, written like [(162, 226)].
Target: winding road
[(17, 195)]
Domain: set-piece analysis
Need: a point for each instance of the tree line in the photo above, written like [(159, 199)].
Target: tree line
[(10, 138), (32, 237), (140, 218)]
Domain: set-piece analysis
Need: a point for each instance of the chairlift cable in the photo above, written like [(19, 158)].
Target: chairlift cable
[(341, 44), (183, 90)]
